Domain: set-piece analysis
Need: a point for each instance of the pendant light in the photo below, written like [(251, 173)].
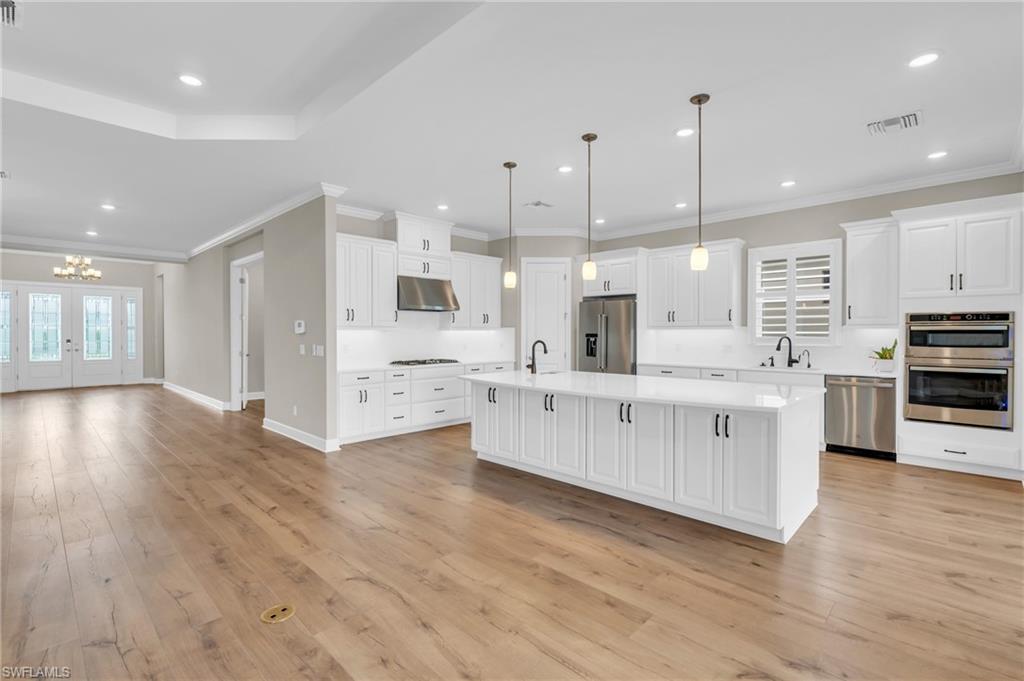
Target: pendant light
[(589, 271), (510, 275), (699, 255)]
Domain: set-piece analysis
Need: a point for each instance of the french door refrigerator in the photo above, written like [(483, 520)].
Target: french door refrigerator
[(607, 335)]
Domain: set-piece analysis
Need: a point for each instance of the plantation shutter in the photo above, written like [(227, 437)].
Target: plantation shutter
[(794, 290)]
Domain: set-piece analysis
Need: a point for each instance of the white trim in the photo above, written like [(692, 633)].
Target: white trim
[(44, 254), (981, 172), (357, 212), (318, 443), (399, 215), (149, 380), (61, 283), (886, 223), (260, 395), (577, 232), (631, 252), (372, 240), (90, 248), (196, 397), (960, 467), (381, 434), (985, 204), (567, 261), (477, 256), (332, 190), (235, 327), (255, 221), (466, 233), (246, 259)]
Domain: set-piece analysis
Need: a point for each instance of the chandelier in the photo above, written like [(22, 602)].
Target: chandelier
[(77, 267)]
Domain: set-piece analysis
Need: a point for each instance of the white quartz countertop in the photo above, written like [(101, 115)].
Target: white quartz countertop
[(814, 370), (681, 391), (381, 367)]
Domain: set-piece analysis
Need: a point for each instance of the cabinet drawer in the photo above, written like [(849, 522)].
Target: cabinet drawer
[(427, 268), (987, 455), (436, 412), (718, 374), (499, 366), (443, 371), (437, 389), (397, 374), (397, 417), (397, 393), (781, 378), (474, 368), (673, 372), (361, 377)]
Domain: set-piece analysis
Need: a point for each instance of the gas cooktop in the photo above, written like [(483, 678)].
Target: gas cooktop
[(419, 362)]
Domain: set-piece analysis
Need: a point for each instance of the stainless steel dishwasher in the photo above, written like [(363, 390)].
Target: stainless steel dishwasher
[(860, 415)]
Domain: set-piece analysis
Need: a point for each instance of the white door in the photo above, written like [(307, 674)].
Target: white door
[(748, 473), (350, 412), (9, 339), (462, 284), (45, 356), (659, 290), (481, 418), (243, 351), (534, 426), (988, 254), (385, 286), (870, 265), (360, 267), (97, 323), (545, 312), (504, 422), (606, 435), (567, 433), (928, 259), (698, 457), (649, 449), (131, 337), (686, 299), (716, 288)]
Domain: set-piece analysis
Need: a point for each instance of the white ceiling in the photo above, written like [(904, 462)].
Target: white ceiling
[(420, 104)]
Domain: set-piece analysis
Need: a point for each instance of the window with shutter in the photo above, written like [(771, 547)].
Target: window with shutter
[(796, 291)]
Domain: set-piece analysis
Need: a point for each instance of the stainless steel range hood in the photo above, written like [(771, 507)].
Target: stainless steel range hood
[(426, 295)]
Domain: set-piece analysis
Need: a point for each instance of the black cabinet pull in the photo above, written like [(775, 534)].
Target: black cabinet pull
[(668, 316), (961, 281), (396, 394), (666, 371), (495, 395), (620, 413), (730, 314), (545, 403), (727, 425), (437, 390), (453, 317), (950, 281), (439, 411), (955, 451), (717, 419), (397, 418), (428, 268), (629, 413), (362, 378), (423, 244), (396, 315), (849, 311), (552, 404)]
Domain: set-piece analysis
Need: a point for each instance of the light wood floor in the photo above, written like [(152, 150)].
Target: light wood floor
[(143, 535)]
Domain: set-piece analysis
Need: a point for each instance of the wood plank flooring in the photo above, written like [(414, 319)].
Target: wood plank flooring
[(143, 534)]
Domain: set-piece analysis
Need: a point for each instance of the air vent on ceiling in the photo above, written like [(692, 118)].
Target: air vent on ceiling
[(10, 13), (537, 204), (887, 125)]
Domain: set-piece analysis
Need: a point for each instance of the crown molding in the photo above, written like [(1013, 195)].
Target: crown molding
[(357, 212), (886, 223), (108, 258), (332, 190), (821, 199), (399, 215), (16, 242), (251, 225), (471, 234), (984, 204), (578, 232)]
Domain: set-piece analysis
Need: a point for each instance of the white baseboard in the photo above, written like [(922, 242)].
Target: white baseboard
[(152, 381), (256, 396), (197, 397), (366, 437), (318, 443), (961, 467)]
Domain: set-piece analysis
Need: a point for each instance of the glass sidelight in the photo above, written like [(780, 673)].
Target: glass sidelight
[(44, 314)]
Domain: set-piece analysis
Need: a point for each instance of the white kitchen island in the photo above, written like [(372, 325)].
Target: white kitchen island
[(739, 455)]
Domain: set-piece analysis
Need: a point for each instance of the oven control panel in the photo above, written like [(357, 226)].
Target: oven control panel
[(962, 317)]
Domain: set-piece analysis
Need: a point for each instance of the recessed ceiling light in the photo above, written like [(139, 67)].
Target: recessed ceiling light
[(936, 154), (923, 60), (684, 132), (680, 205), (442, 206), (190, 80), (599, 221), (92, 233), (565, 169), (787, 183), (108, 206)]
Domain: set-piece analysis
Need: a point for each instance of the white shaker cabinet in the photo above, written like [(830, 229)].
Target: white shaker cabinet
[(698, 457), (385, 286), (476, 280), (748, 467), (355, 282), (616, 276), (678, 296), (553, 432), (361, 410), (871, 273), (928, 259), (495, 420), (719, 285), (629, 446), (988, 255), (606, 442), (462, 285)]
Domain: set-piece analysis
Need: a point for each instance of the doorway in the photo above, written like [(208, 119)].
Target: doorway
[(247, 356), (545, 309), (69, 336)]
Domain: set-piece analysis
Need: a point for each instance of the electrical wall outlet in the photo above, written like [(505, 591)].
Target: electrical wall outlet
[(302, 348), (295, 410)]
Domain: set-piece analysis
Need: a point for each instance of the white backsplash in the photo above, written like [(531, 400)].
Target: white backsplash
[(733, 347), (419, 336)]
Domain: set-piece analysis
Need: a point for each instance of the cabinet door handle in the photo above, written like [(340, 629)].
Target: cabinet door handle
[(673, 316), (629, 413), (727, 425), (950, 281), (436, 390), (397, 394), (730, 314), (396, 315), (717, 375), (362, 378), (620, 413), (849, 311), (552, 404), (955, 451), (453, 317), (428, 268), (961, 281), (546, 402), (668, 316), (718, 417), (428, 244), (439, 411), (666, 371), (424, 244)]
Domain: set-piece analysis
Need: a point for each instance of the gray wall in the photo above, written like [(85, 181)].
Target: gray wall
[(39, 267), (256, 358)]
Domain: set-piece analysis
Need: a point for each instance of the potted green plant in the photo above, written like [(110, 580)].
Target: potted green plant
[(885, 358)]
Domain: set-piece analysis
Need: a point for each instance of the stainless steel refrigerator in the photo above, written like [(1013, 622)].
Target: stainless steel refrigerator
[(606, 338)]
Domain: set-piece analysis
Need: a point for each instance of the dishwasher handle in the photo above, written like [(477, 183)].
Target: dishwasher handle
[(859, 381)]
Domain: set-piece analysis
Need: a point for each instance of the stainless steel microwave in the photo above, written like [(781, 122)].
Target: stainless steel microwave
[(960, 335)]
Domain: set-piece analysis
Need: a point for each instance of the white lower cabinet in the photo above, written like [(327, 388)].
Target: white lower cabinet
[(698, 458), (361, 410), (606, 442), (553, 432), (748, 467), (495, 421), (629, 445)]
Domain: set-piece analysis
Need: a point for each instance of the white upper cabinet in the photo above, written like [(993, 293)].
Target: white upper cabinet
[(385, 285), (871, 273), (462, 285), (968, 248), (424, 245), (615, 277), (355, 283), (476, 280), (677, 296)]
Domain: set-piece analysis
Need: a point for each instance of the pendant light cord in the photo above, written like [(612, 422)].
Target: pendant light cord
[(510, 219), (588, 201), (700, 176)]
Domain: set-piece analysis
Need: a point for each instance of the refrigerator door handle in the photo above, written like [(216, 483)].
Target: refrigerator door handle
[(602, 335)]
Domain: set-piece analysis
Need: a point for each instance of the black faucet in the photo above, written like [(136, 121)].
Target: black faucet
[(532, 366), (790, 362)]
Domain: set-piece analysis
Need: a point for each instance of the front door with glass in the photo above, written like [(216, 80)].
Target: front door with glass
[(97, 351), (8, 338), (44, 357)]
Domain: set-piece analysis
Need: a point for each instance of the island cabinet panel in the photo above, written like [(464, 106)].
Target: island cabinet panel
[(649, 449), (568, 419), (534, 438), (749, 469), (606, 442), (481, 413), (698, 457), (495, 420)]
